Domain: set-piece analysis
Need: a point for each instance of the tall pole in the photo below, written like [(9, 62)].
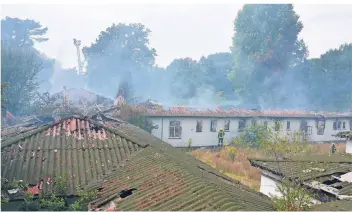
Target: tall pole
[(77, 43)]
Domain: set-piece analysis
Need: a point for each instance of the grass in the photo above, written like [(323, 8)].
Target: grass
[(239, 168)]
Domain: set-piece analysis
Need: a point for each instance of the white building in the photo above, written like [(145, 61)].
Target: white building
[(178, 126), (327, 178)]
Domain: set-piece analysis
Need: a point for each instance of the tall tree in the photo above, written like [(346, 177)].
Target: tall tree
[(21, 33), (265, 46), (120, 53), (19, 68), (330, 80), (217, 68), (187, 76)]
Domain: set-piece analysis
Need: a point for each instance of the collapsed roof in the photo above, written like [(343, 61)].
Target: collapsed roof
[(116, 157), (331, 176)]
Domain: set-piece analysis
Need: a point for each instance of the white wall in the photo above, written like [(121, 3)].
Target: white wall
[(269, 184), (208, 138), (349, 146)]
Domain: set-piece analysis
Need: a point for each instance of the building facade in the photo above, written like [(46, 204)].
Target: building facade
[(198, 129)]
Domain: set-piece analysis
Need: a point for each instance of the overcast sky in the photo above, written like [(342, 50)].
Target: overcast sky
[(178, 30)]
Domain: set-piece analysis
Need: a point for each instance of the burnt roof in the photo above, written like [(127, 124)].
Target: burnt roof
[(340, 205), (184, 112), (93, 152), (303, 169), (82, 149)]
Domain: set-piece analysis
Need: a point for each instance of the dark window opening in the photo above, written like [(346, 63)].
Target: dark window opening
[(334, 125), (241, 125), (254, 122), (288, 125), (277, 125), (321, 127), (199, 126), (175, 130), (339, 125), (266, 124), (331, 181), (309, 130), (213, 124), (344, 125), (227, 125), (303, 126)]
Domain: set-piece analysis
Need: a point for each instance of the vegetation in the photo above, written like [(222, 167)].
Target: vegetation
[(84, 198), (266, 143)]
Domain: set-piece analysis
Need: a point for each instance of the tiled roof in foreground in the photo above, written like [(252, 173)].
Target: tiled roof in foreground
[(160, 182), (82, 149), (114, 156)]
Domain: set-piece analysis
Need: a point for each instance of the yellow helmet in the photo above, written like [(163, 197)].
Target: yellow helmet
[(221, 129)]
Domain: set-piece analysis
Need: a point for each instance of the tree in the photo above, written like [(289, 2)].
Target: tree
[(119, 54), (22, 33), (187, 76), (216, 68), (265, 46), (330, 79), (19, 68)]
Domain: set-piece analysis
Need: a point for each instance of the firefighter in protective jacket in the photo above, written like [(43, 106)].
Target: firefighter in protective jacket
[(221, 135)]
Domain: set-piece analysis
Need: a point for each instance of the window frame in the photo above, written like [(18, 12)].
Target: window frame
[(201, 125), (288, 125), (241, 129), (211, 125), (228, 125), (174, 127), (334, 125), (277, 125)]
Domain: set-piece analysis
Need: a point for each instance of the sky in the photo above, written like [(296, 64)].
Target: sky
[(178, 30)]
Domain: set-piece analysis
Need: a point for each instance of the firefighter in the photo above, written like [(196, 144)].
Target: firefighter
[(221, 135), (333, 148)]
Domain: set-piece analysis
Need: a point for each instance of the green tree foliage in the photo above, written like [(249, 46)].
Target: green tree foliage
[(329, 79), (20, 33), (187, 77), (19, 68), (120, 53), (265, 46)]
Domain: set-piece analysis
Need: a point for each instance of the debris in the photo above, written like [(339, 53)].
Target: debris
[(55, 150), (13, 191)]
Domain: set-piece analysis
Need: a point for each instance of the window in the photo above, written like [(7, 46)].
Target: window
[(241, 125), (175, 129), (213, 124), (254, 122), (339, 125), (277, 125), (344, 125), (227, 125), (288, 125), (303, 126), (199, 127), (335, 125), (266, 124), (309, 130), (321, 127)]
